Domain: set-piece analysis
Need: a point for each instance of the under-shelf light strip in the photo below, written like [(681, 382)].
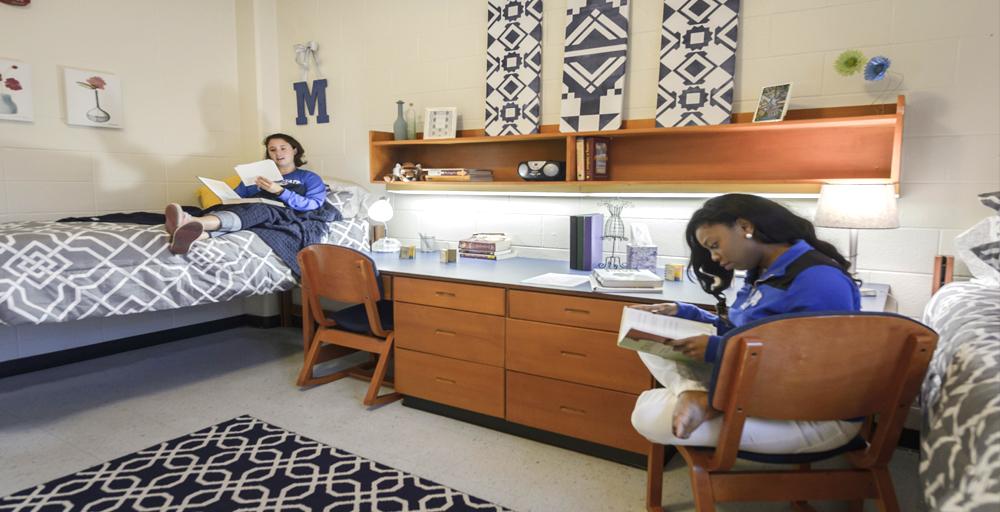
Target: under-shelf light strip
[(674, 195)]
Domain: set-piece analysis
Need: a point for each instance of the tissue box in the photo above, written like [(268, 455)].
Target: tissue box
[(640, 257)]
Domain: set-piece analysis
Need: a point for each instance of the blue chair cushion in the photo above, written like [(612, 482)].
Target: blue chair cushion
[(355, 319), (858, 443)]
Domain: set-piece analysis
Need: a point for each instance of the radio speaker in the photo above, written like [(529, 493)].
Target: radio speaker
[(542, 170)]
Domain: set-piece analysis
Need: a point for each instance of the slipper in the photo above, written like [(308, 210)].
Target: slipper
[(175, 216), (184, 236)]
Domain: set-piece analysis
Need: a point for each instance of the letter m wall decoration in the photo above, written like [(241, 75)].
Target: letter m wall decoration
[(304, 99)]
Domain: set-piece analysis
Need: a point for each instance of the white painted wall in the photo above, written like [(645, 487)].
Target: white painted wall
[(432, 53)]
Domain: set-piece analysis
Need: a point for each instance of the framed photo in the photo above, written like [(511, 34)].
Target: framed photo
[(15, 91), (773, 103), (440, 122), (93, 98)]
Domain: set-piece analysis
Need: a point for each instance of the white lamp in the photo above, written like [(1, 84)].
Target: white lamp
[(857, 206), (381, 211)]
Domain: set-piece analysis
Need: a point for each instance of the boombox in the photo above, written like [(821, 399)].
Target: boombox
[(542, 170)]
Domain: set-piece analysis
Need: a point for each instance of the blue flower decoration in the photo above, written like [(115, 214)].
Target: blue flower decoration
[(876, 68)]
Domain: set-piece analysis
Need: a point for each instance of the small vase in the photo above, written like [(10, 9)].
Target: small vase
[(97, 114), (399, 127), (411, 122), (7, 105)]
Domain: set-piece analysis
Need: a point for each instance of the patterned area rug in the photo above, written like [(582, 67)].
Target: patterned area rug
[(242, 464)]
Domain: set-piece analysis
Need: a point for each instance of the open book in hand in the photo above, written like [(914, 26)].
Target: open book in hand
[(229, 196), (652, 333)]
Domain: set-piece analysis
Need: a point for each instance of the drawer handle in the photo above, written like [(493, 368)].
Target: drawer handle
[(572, 354), (574, 310), (444, 332), (571, 410), (444, 294), (442, 379)]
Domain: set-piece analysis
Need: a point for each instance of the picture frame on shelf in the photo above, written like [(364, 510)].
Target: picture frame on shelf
[(773, 103), (440, 122)]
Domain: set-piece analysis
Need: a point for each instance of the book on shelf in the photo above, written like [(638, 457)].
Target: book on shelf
[(648, 332), (229, 196), (596, 286), (481, 255), (592, 159), (486, 242), (628, 278)]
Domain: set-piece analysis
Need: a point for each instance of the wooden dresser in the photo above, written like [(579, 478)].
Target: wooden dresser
[(540, 359)]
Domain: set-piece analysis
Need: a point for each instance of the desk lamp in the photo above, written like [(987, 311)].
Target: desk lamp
[(381, 211), (857, 206)]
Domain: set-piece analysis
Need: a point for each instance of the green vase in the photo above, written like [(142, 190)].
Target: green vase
[(399, 127)]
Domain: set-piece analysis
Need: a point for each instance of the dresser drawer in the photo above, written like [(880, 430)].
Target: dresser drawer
[(467, 297), (458, 334), (575, 410), (470, 386), (573, 354), (600, 314)]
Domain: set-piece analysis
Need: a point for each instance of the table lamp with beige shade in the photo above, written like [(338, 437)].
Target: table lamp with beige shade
[(857, 206)]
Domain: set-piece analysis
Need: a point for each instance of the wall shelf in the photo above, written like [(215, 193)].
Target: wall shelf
[(795, 156)]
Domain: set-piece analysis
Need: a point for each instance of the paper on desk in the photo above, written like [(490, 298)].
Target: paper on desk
[(266, 168), (554, 279)]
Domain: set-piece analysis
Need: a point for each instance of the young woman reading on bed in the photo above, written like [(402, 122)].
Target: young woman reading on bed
[(788, 270), (286, 230)]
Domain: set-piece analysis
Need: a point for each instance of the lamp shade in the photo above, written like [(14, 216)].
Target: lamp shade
[(380, 211), (867, 206)]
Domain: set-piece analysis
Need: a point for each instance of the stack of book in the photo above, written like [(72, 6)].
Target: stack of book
[(626, 280), (592, 158), (486, 246), (458, 174)]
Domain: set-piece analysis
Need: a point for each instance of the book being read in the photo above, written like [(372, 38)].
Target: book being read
[(652, 333), (229, 196)]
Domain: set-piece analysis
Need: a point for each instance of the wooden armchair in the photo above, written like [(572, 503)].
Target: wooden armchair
[(808, 368), (345, 275)]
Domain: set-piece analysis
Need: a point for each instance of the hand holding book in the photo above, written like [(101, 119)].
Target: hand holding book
[(649, 329)]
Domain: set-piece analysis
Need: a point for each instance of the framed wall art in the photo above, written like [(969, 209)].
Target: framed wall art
[(440, 122), (15, 91), (93, 98)]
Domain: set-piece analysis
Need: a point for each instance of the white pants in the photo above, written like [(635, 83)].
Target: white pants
[(654, 412)]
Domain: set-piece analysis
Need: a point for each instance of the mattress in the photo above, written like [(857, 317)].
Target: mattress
[(57, 272), (960, 434)]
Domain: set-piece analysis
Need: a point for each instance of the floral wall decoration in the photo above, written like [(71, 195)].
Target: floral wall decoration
[(93, 98), (15, 91), (875, 69)]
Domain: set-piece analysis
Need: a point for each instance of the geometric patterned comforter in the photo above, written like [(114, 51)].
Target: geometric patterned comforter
[(61, 271), (960, 434)]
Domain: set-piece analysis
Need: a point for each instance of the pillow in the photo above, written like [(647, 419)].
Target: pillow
[(979, 249), (205, 196), (991, 200), (350, 199)]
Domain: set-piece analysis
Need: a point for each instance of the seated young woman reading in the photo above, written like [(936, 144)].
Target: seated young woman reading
[(304, 220), (789, 270)]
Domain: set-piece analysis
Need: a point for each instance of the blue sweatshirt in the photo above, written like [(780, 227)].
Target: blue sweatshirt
[(801, 279), (304, 191)]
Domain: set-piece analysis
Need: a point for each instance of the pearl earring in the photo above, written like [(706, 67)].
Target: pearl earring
[(748, 236)]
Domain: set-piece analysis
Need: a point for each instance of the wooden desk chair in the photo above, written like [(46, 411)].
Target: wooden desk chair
[(808, 368), (345, 275)]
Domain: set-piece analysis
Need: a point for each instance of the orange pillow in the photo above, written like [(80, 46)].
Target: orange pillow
[(207, 199)]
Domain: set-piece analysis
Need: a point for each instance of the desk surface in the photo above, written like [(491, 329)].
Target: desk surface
[(511, 272)]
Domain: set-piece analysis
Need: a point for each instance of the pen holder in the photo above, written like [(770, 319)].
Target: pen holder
[(640, 257), (428, 243)]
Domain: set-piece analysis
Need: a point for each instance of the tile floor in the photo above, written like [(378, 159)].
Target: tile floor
[(64, 419)]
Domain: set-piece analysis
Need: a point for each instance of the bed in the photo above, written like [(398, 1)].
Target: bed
[(63, 271), (960, 397)]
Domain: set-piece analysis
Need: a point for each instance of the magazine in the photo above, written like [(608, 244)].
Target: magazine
[(229, 196)]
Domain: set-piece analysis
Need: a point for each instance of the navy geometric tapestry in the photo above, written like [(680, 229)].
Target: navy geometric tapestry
[(243, 464), (593, 85), (697, 62), (513, 67)]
